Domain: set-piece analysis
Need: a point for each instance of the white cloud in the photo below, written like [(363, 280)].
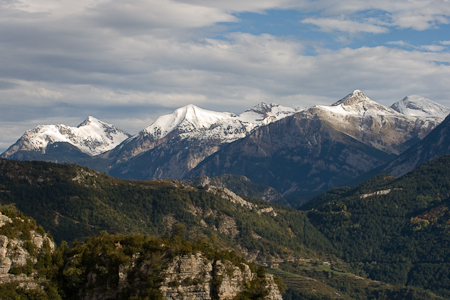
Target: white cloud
[(415, 14), (432, 48), (133, 60), (400, 43), (328, 24)]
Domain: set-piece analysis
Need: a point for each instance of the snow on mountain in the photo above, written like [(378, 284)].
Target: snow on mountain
[(375, 124), (263, 114), (187, 119), (420, 106), (92, 137), (193, 122), (358, 104)]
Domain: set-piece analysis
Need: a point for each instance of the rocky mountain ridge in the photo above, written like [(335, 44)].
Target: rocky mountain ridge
[(321, 147), (91, 137), (328, 145), (374, 124)]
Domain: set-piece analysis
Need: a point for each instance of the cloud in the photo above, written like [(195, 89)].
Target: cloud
[(400, 43), (134, 60), (430, 48), (328, 25), (433, 48), (141, 17), (415, 14)]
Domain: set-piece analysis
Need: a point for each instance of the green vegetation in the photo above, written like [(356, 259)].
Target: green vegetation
[(400, 235), (75, 202), (122, 266), (387, 238)]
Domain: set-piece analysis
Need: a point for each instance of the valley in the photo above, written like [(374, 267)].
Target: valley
[(347, 201)]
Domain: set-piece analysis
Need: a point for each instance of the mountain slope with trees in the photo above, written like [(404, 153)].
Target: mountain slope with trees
[(75, 202), (393, 230)]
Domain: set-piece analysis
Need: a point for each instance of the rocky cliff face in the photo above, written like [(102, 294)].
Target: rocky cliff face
[(129, 268), (185, 277), (18, 252), (195, 277)]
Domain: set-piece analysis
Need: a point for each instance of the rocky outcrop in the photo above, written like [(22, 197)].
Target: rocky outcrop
[(195, 277), (240, 185), (188, 276), (191, 276), (227, 194), (15, 253)]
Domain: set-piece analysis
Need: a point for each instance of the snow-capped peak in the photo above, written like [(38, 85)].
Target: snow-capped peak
[(92, 137), (91, 120), (191, 121), (186, 119), (353, 98), (419, 106), (358, 104)]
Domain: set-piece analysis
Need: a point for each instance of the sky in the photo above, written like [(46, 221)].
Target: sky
[(128, 62)]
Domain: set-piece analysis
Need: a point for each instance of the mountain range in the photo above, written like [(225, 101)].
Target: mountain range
[(296, 151)]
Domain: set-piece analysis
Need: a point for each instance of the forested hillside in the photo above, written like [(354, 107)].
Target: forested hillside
[(122, 267), (75, 202), (393, 230)]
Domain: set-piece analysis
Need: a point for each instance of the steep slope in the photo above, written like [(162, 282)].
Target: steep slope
[(374, 124), (420, 106), (175, 143), (435, 144), (241, 185), (301, 153), (90, 138), (74, 202), (319, 148), (398, 227)]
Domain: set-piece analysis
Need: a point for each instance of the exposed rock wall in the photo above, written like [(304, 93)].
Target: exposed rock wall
[(14, 254), (195, 277), (191, 276)]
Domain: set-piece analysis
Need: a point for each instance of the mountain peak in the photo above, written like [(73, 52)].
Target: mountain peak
[(263, 114), (91, 137), (419, 106), (353, 98), (89, 120), (186, 119), (263, 107)]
